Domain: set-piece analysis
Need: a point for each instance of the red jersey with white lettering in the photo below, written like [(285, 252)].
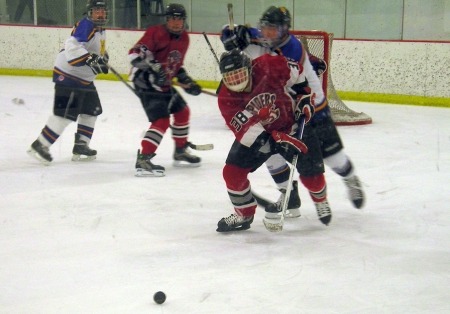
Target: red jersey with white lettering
[(271, 78), (164, 47)]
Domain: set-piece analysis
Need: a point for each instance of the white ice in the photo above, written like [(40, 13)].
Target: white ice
[(93, 238)]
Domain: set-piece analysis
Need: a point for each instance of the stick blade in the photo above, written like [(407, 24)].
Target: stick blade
[(201, 146), (273, 225)]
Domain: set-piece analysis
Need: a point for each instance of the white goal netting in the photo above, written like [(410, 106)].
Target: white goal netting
[(319, 44)]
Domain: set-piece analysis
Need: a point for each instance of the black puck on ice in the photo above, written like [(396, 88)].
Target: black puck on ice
[(159, 297)]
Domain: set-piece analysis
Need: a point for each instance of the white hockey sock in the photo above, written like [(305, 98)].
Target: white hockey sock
[(341, 164), (53, 129), (85, 127)]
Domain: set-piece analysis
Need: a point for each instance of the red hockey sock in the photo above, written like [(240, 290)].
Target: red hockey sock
[(154, 135), (180, 127), (316, 186)]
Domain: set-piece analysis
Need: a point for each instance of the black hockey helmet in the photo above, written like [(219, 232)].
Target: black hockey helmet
[(274, 19), (236, 68), (276, 16), (97, 11), (175, 10)]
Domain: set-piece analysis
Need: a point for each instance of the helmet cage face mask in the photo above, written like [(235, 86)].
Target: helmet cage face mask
[(236, 80), (235, 67), (97, 12), (273, 41)]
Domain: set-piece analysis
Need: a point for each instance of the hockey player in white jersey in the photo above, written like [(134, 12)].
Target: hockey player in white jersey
[(77, 65)]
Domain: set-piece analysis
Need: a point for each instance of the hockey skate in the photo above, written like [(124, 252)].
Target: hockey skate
[(323, 211), (81, 150), (273, 210), (234, 223), (40, 152), (355, 191), (183, 158), (145, 168)]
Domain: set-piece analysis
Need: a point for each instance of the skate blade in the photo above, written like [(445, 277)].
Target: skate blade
[(146, 173), (185, 164), (83, 158), (38, 157), (240, 228)]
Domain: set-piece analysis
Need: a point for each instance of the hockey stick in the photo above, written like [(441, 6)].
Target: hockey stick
[(122, 79), (211, 48), (136, 93), (191, 145), (69, 103), (260, 200), (184, 86), (278, 226), (230, 16)]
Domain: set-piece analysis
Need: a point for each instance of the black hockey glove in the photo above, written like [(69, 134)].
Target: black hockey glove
[(156, 73), (105, 57), (187, 83), (239, 38), (98, 64), (305, 106)]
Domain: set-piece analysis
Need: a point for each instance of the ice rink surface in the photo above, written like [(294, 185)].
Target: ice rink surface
[(93, 238)]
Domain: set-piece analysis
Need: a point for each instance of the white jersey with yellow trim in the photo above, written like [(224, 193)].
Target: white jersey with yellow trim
[(70, 65)]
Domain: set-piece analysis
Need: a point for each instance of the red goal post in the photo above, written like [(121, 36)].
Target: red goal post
[(318, 43)]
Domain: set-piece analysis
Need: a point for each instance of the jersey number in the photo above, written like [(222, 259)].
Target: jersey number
[(238, 120)]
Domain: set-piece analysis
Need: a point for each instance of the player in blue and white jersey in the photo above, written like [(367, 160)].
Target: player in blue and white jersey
[(77, 65)]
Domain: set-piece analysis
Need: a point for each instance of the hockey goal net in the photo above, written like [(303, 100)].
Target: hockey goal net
[(318, 43)]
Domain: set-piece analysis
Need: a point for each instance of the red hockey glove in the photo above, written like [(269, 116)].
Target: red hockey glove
[(292, 142), (305, 106)]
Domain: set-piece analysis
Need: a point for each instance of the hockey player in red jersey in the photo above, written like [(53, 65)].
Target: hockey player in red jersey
[(273, 37), (157, 58), (257, 107), (76, 98)]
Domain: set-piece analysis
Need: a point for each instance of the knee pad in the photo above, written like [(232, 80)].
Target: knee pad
[(182, 117), (161, 124), (235, 177), (340, 163), (315, 183)]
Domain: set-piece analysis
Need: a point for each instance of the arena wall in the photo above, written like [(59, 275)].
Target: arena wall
[(367, 69)]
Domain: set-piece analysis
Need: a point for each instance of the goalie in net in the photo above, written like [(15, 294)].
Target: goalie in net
[(273, 37)]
